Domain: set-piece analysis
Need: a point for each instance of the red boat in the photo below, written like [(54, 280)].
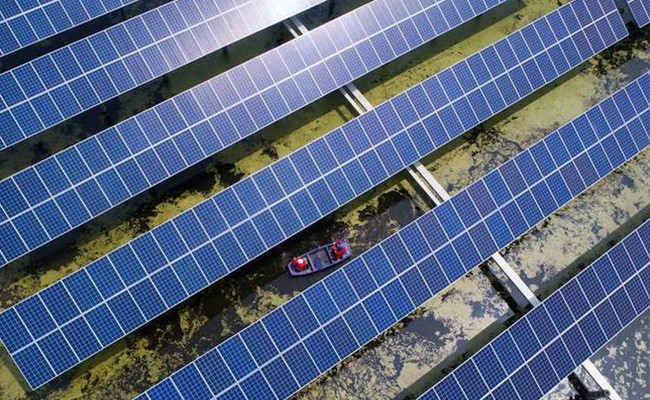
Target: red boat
[(318, 259)]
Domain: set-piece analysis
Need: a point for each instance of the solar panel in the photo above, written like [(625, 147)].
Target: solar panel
[(640, 11), (121, 162), (312, 332), (44, 92), (118, 293), (532, 356), (27, 22)]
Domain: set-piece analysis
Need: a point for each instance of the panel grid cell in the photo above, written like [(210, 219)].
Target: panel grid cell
[(68, 81), (161, 142), (25, 23), (226, 245)]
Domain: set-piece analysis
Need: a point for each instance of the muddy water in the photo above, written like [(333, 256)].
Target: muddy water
[(418, 351)]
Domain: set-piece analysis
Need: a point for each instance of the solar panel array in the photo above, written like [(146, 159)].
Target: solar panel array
[(640, 11), (40, 94), (66, 190), (532, 356), (27, 22), (120, 292), (288, 348)]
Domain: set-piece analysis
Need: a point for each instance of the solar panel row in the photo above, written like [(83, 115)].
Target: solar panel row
[(288, 348), (640, 11), (66, 190), (532, 356), (16, 8), (40, 94), (26, 22), (137, 282)]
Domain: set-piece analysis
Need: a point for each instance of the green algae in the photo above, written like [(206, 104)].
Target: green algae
[(415, 352)]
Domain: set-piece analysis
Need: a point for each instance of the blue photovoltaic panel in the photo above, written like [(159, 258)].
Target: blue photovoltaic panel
[(40, 94), (200, 246), (27, 22), (640, 11), (556, 337), (117, 164), (315, 330)]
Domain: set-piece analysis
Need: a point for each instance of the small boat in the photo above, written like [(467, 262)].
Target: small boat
[(319, 259)]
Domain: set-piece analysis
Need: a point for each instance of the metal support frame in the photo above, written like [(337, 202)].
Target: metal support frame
[(356, 99), (434, 190), (625, 10)]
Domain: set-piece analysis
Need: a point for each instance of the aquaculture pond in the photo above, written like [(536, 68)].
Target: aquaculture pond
[(418, 351)]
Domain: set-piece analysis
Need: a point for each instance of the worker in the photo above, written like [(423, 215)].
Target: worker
[(338, 249), (300, 263)]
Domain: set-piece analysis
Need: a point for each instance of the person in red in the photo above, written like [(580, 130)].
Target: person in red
[(338, 249), (300, 263)]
